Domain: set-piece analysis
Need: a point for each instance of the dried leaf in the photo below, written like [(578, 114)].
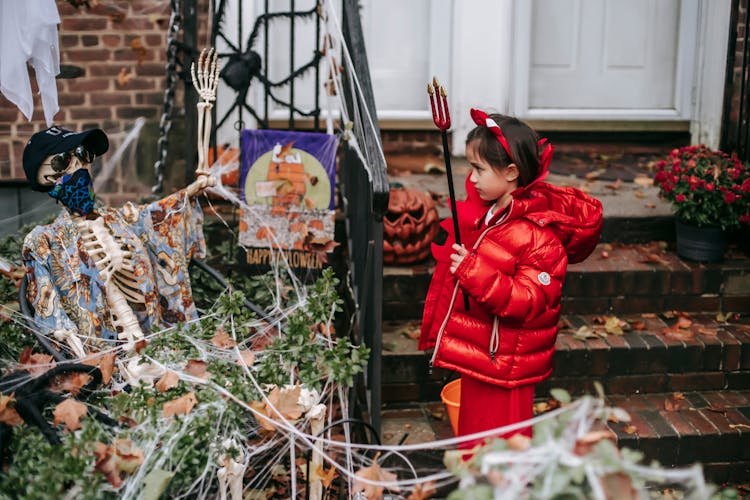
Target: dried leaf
[(326, 476), (595, 174), (675, 334), (630, 429), (639, 194), (222, 340), (613, 326), (643, 180), (285, 401), (168, 381), (411, 333), (264, 422), (638, 325), (121, 456), (649, 205), (36, 363), (648, 315), (423, 491), (70, 412), (723, 317), (586, 443), (708, 332), (373, 473), (196, 368), (180, 406), (675, 403), (614, 186), (584, 333), (8, 414), (107, 366), (247, 357), (684, 322)]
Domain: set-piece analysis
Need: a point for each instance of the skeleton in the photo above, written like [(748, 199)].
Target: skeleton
[(316, 414), (230, 477), (205, 82), (112, 254)]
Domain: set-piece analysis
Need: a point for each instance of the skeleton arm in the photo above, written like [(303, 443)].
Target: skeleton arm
[(205, 81)]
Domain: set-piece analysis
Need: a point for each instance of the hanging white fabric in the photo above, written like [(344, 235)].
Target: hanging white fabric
[(28, 34)]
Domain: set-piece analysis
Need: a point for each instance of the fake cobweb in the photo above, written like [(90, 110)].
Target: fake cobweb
[(241, 405)]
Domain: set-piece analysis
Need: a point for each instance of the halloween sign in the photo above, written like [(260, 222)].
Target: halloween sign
[(287, 181)]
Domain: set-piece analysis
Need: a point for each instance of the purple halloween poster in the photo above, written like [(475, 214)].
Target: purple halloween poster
[(287, 181)]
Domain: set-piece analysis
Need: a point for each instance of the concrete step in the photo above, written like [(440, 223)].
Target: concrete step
[(677, 429), (615, 279), (654, 355)]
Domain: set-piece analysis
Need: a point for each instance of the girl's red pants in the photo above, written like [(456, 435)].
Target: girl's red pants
[(486, 406)]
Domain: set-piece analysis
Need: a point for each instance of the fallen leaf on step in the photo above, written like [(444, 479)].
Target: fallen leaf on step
[(643, 180), (639, 194), (708, 332), (675, 404), (638, 325), (649, 205), (684, 322), (595, 174), (614, 186)]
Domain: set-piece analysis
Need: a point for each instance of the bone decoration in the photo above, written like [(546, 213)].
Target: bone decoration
[(205, 82), (113, 258)]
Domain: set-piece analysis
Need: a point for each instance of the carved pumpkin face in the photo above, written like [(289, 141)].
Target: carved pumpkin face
[(409, 226)]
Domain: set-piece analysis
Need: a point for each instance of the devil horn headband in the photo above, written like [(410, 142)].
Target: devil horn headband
[(545, 157)]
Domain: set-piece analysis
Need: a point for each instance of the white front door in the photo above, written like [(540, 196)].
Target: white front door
[(604, 59)]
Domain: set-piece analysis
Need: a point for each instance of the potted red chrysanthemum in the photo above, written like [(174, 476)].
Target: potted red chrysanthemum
[(710, 195)]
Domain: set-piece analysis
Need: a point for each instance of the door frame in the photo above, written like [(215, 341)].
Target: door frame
[(684, 81)]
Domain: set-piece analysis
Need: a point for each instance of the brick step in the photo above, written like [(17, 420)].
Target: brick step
[(710, 427), (654, 356), (630, 279)]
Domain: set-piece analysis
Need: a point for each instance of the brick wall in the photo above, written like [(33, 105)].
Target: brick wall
[(121, 48), (731, 113)]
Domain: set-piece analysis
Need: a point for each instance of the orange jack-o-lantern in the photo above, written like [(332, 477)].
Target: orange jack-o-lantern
[(409, 227)]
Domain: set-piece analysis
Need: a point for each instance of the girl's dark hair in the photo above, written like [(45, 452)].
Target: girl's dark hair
[(523, 146)]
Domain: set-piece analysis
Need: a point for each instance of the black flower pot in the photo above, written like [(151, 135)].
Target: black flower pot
[(700, 244)]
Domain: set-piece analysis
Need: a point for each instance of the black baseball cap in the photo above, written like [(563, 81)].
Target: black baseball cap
[(58, 140)]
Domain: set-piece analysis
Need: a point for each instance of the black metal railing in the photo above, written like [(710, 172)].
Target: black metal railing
[(363, 183), (364, 189)]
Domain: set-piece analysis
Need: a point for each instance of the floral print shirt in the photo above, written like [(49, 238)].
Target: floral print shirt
[(67, 292)]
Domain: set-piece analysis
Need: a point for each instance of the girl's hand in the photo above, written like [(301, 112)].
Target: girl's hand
[(458, 257)]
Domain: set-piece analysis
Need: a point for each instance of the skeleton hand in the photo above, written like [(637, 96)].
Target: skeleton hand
[(207, 79), (205, 82)]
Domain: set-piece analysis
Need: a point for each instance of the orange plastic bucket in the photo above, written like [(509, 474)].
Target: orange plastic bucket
[(451, 396)]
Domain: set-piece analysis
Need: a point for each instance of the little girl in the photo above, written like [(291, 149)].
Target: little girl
[(518, 235)]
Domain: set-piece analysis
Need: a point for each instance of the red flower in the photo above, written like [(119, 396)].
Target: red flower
[(706, 187)]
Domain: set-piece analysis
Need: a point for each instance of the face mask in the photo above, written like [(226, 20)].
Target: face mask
[(76, 192)]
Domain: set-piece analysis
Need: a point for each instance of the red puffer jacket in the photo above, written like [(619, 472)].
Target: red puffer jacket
[(513, 276)]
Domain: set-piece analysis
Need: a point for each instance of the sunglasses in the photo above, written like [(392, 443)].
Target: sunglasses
[(61, 161)]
